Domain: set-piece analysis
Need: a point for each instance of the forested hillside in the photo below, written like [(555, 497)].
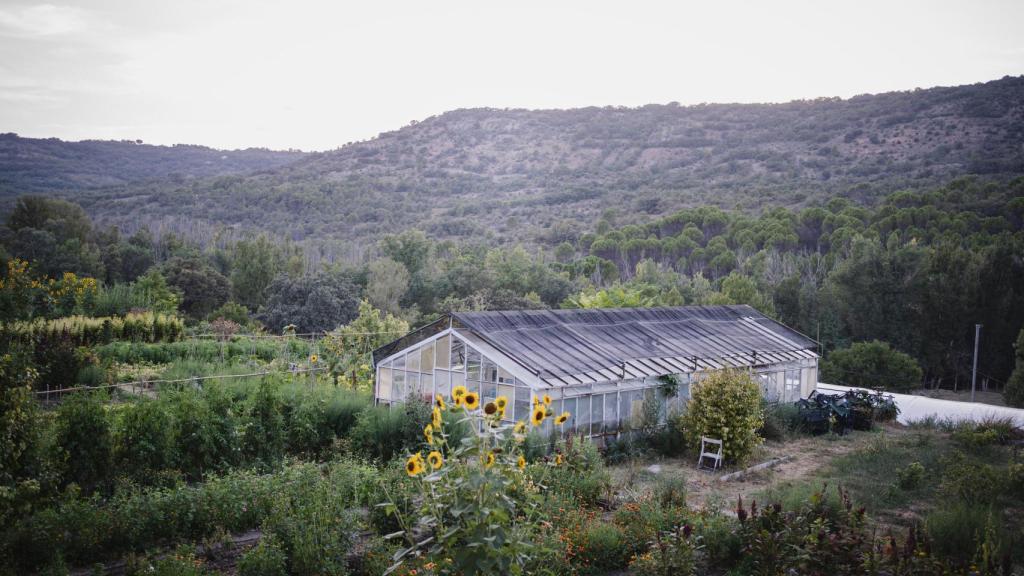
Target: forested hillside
[(544, 175), (47, 165)]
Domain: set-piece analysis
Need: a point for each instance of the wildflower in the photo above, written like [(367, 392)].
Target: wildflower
[(488, 459), (428, 433), (519, 428), (538, 416), (547, 400), (490, 408), (501, 402), (521, 463), (472, 400), (435, 459), (439, 401), (459, 392), (313, 358), (435, 418), (414, 465), (562, 418), (558, 460)]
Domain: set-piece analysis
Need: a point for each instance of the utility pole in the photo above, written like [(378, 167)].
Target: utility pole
[(974, 372)]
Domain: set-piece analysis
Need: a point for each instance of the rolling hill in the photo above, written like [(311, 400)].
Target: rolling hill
[(545, 175)]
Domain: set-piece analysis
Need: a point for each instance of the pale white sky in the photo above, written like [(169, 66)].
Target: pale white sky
[(315, 75)]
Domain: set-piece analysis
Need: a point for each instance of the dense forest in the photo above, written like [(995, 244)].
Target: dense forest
[(546, 175), (916, 272)]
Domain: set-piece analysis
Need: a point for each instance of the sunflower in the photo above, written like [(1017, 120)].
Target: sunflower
[(460, 401), (488, 459), (558, 460), (562, 418), (313, 358), (519, 428), (435, 459), (501, 402), (439, 401), (428, 433), (472, 400), (435, 418), (501, 413), (521, 463), (490, 408), (547, 400), (414, 465), (536, 400), (459, 392), (538, 416)]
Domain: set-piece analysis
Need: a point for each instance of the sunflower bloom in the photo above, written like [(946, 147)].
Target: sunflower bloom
[(562, 418), (414, 465), (519, 428), (521, 463), (547, 400), (435, 459), (313, 358), (472, 400), (558, 460), (435, 418), (459, 392), (428, 433), (490, 408), (538, 416), (439, 401), (501, 402), (488, 459)]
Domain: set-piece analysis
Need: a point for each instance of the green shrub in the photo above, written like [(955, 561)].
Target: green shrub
[(781, 420), (603, 549), (382, 432), (911, 477), (206, 439), (1013, 392), (264, 429), (672, 553), (342, 410), (91, 375), (84, 440), (873, 365), (640, 522), (582, 478), (970, 482), (182, 562), (314, 528), (145, 439), (309, 430), (726, 405), (670, 439), (265, 559), (670, 491), (954, 529)]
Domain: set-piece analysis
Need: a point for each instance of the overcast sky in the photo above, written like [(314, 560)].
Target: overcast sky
[(315, 75)]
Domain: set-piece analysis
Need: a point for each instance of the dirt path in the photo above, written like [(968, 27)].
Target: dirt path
[(704, 488)]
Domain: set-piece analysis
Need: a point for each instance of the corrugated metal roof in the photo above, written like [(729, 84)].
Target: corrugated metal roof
[(566, 347)]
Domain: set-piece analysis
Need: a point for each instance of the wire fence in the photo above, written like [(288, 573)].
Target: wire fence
[(193, 379)]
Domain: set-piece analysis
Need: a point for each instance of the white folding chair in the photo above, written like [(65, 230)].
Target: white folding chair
[(715, 453)]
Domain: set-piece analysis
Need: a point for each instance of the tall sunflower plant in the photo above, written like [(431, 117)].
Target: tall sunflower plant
[(477, 509)]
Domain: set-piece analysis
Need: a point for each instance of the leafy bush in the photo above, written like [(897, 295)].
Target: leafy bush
[(670, 491), (671, 553), (911, 477), (206, 438), (265, 559), (263, 439), (84, 440), (383, 432), (954, 529), (780, 421), (145, 439), (726, 405), (89, 331), (1013, 393), (582, 478), (670, 439), (314, 528), (604, 549), (873, 365), (972, 483)]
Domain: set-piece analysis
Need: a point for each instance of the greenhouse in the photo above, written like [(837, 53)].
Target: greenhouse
[(611, 369)]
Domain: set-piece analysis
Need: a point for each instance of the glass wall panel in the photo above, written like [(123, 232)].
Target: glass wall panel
[(412, 386), (427, 358), (472, 364), (427, 386), (597, 414), (490, 371), (489, 391), (508, 392), (412, 361), (582, 415), (442, 381), (442, 352), (398, 388), (569, 405), (611, 413), (384, 384), (458, 355), (399, 362), (522, 402), (504, 376), (458, 379)]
